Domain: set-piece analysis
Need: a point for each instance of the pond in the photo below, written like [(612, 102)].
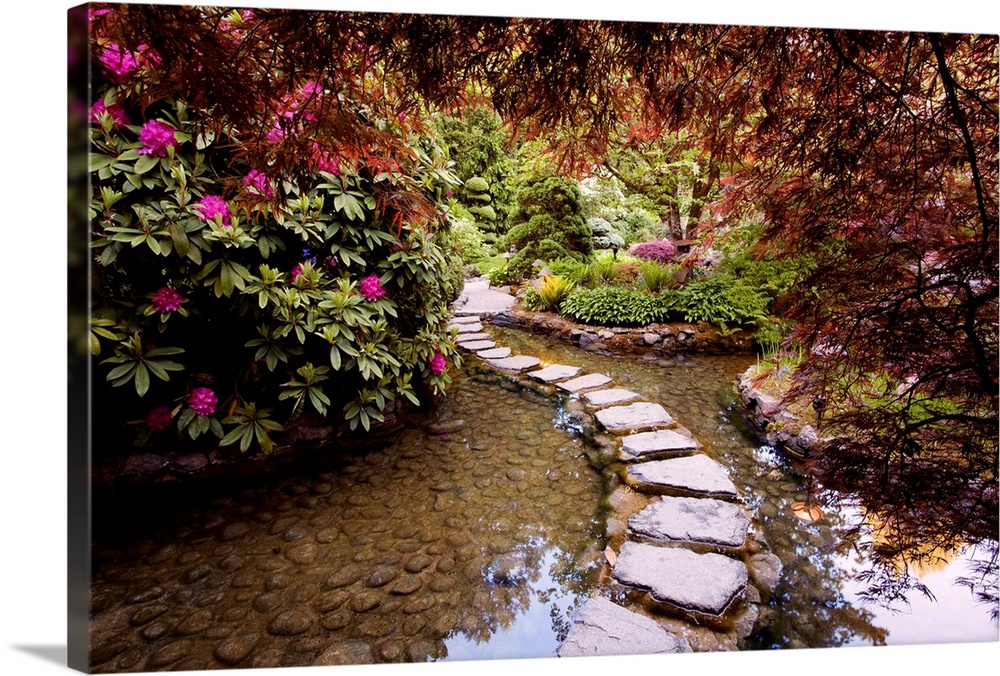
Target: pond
[(476, 534), (818, 602)]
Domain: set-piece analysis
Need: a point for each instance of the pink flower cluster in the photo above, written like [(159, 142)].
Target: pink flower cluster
[(296, 271), (211, 206), (256, 181), (167, 299), (371, 288), (156, 137), (158, 419), (438, 364), (324, 160), (116, 112), (203, 401), (118, 62)]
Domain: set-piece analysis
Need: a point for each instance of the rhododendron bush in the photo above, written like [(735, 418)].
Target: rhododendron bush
[(229, 299)]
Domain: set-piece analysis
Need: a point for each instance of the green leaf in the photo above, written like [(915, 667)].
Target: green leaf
[(145, 163), (141, 379), (120, 371), (98, 161), (232, 436), (180, 239)]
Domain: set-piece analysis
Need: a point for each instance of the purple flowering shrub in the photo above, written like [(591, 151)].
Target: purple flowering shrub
[(662, 251), (229, 301)]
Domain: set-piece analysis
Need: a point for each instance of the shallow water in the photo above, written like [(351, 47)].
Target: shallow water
[(476, 544), (817, 602), (479, 543)]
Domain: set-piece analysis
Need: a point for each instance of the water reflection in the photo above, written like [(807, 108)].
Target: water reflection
[(819, 602)]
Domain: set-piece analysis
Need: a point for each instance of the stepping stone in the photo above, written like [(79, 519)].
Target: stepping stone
[(587, 382), (616, 395), (518, 363), (650, 445), (696, 475), (469, 337), (478, 345), (705, 583), (633, 416), (467, 328), (701, 520), (602, 627), (555, 372), (467, 319), (495, 353)]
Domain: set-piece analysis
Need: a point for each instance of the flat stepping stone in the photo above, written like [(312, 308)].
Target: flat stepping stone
[(469, 337), (602, 627), (650, 445), (701, 520), (517, 363), (587, 382), (467, 319), (696, 475), (478, 345), (704, 583), (555, 372), (633, 416), (495, 353), (617, 395), (467, 328)]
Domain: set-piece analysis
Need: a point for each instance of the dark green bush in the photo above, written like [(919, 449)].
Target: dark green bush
[(549, 208)]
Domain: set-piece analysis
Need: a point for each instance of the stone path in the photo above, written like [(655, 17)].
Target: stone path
[(665, 553)]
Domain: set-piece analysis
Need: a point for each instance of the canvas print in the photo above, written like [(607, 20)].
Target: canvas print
[(415, 337)]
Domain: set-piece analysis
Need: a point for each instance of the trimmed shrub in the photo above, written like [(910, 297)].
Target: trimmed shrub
[(605, 236), (661, 251), (549, 208)]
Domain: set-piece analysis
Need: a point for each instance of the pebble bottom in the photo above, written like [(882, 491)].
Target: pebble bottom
[(373, 560)]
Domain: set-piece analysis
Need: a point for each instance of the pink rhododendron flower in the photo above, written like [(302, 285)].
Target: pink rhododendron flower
[(326, 161), (258, 183), (211, 206), (371, 288), (438, 364), (296, 271), (203, 401), (158, 419), (156, 137), (116, 112), (276, 135), (118, 62), (167, 299)]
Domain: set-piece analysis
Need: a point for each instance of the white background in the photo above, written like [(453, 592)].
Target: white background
[(32, 329)]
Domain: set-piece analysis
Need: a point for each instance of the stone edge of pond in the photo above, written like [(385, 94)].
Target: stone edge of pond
[(773, 422), (658, 339)]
